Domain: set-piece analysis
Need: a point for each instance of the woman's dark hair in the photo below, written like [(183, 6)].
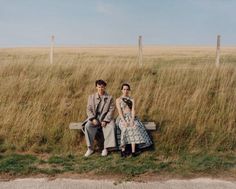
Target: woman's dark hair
[(100, 82), (125, 84)]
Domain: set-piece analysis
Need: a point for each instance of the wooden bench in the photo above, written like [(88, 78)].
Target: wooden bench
[(151, 126)]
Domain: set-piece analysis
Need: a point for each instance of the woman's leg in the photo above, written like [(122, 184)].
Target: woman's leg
[(133, 150), (122, 153), (133, 147), (122, 140)]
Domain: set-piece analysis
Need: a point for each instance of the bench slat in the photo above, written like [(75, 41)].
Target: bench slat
[(149, 125), (76, 125)]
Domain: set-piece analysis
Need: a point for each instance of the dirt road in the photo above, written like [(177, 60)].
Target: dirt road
[(61, 183)]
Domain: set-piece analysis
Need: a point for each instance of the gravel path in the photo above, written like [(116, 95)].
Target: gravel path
[(61, 183)]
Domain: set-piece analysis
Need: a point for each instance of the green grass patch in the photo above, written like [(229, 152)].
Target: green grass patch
[(17, 164), (148, 162), (205, 162)]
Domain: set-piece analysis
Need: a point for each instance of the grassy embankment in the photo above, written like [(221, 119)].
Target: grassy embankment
[(191, 101)]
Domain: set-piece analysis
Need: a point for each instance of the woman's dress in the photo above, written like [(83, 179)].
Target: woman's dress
[(131, 134)]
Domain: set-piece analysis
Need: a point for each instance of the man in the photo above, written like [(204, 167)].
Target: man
[(100, 109)]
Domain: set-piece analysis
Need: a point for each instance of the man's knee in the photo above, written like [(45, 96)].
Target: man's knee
[(110, 127), (111, 124)]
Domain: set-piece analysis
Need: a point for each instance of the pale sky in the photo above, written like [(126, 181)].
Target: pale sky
[(117, 22)]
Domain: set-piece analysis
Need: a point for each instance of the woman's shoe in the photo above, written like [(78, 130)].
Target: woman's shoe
[(122, 154), (134, 154)]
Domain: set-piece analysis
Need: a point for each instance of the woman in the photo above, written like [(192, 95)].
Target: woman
[(132, 130)]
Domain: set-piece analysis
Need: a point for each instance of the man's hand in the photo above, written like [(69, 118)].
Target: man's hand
[(95, 122), (103, 124)]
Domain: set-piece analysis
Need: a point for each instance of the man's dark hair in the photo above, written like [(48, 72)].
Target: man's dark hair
[(100, 82), (125, 84)]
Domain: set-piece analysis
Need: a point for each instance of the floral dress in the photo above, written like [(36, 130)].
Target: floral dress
[(131, 134)]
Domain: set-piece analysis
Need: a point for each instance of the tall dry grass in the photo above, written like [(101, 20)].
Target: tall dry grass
[(192, 102)]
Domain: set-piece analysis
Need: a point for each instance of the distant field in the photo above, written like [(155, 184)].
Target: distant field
[(156, 54), (179, 88)]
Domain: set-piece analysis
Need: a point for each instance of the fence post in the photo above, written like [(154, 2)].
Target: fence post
[(52, 49), (218, 51), (140, 51)]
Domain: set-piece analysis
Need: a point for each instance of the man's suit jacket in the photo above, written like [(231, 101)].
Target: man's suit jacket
[(107, 109)]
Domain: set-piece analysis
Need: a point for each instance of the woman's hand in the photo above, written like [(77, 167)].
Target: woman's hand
[(124, 123), (132, 124)]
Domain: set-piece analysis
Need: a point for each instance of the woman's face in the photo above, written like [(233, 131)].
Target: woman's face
[(125, 90)]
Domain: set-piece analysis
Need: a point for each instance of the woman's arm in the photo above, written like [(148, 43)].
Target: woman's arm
[(119, 110), (133, 113)]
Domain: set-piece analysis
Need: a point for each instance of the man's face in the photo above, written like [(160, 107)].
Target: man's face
[(101, 89)]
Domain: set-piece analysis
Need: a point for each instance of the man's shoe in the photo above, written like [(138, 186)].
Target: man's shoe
[(88, 153), (104, 152)]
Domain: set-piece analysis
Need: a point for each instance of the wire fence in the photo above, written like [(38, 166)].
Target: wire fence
[(140, 54)]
